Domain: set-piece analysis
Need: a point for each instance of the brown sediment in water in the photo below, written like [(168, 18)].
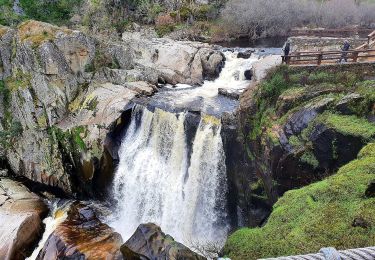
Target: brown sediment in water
[(83, 234)]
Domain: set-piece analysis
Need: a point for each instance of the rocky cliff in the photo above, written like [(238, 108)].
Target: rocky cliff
[(63, 91), (299, 126)]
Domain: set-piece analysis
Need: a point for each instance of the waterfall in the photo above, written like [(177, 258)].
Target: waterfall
[(157, 182)]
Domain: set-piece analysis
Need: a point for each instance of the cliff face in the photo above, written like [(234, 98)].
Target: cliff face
[(298, 126), (62, 91), (43, 71)]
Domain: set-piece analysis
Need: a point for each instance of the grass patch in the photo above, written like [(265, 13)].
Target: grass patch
[(316, 216), (351, 125), (309, 158)]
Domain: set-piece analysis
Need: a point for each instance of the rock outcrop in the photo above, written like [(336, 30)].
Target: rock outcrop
[(300, 125), (21, 214), (149, 243), (175, 62), (62, 92), (82, 236)]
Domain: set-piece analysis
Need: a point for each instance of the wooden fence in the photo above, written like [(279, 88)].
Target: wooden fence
[(317, 58), (362, 53)]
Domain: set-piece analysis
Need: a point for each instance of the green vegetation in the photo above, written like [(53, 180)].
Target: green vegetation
[(11, 129), (57, 12), (296, 88), (71, 141), (309, 158), (7, 15), (322, 214), (19, 80), (350, 125)]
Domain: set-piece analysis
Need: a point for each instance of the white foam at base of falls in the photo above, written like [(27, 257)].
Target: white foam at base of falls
[(155, 182)]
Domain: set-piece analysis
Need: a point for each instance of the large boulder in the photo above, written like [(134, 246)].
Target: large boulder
[(21, 214), (150, 243), (82, 236), (174, 61)]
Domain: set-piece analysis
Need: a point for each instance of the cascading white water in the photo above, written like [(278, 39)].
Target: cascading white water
[(162, 178), (156, 183)]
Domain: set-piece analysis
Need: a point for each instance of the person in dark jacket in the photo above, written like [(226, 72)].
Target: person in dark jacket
[(344, 49), (286, 50)]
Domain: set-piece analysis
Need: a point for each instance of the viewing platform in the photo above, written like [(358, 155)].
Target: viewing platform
[(364, 53)]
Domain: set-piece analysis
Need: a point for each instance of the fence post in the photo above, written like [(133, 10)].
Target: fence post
[(355, 56), (320, 56)]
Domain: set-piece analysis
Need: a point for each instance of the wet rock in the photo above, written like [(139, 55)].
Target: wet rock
[(360, 222), (3, 173), (286, 102), (149, 242), (82, 236), (333, 149), (213, 63), (21, 214), (245, 54), (370, 191), (53, 95), (229, 93), (248, 74), (300, 120)]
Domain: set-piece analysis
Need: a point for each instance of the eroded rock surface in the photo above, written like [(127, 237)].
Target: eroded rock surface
[(21, 214), (82, 236), (175, 62)]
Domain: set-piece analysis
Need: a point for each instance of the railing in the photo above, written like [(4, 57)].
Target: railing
[(369, 43), (319, 57)]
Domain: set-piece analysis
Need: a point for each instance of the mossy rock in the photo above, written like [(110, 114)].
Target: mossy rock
[(322, 214)]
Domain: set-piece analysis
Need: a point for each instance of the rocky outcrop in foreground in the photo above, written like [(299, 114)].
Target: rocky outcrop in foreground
[(301, 125), (337, 211), (82, 236), (149, 242), (62, 92), (21, 214)]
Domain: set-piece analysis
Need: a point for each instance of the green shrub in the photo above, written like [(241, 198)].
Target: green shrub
[(162, 30), (57, 12), (185, 13), (7, 15), (309, 158)]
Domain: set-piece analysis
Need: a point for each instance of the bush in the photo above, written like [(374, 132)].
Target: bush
[(7, 15), (57, 12), (164, 29)]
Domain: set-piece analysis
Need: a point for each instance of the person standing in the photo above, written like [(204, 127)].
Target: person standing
[(344, 49), (286, 50)]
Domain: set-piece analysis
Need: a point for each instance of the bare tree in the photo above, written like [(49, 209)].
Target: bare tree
[(261, 18)]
